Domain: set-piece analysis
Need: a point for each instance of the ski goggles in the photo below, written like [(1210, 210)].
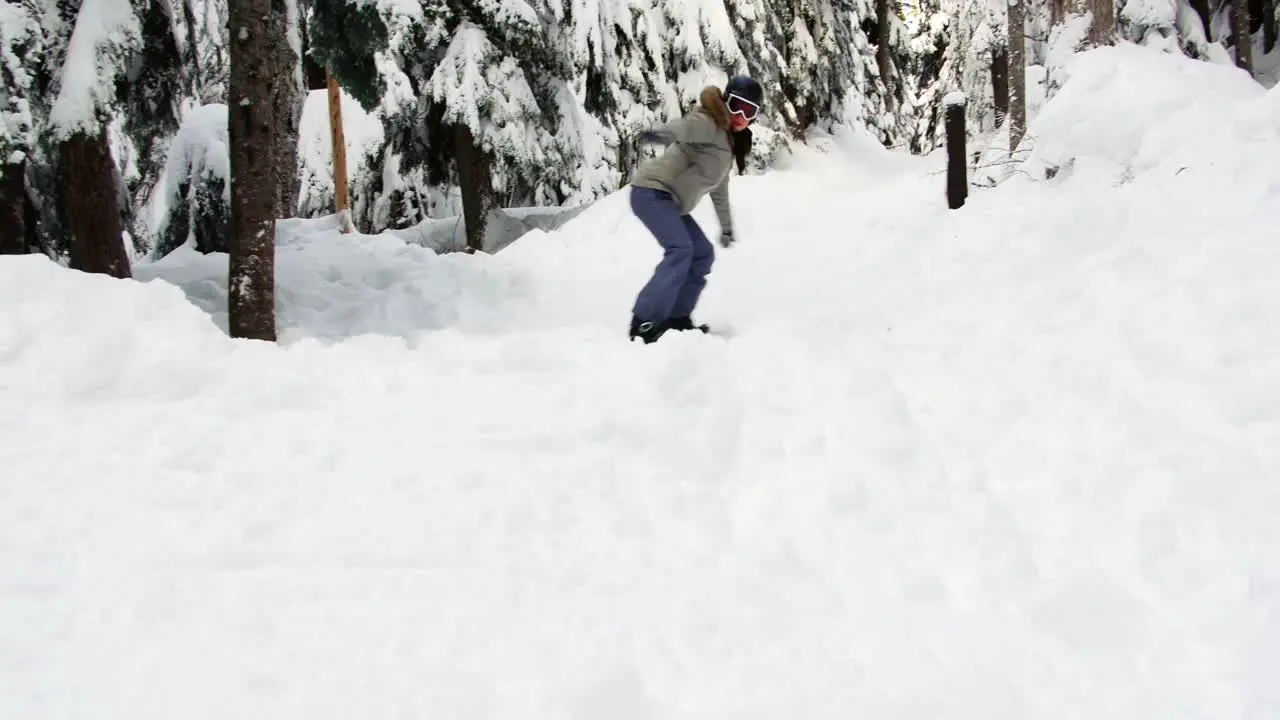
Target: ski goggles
[(739, 105)]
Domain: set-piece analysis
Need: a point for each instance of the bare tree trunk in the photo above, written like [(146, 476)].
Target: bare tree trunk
[(189, 19), (1000, 83), (289, 98), (90, 205), (884, 60), (1201, 8), (477, 190), (1017, 73), (1240, 35), (1103, 29), (251, 123), (13, 206), (1268, 15), (1057, 12)]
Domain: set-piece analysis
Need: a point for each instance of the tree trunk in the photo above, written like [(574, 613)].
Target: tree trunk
[(314, 75), (1017, 73), (1102, 31), (251, 122), (1000, 83), (289, 98), (884, 60), (1268, 26), (1201, 7), (1057, 12), (1240, 35), (13, 208), (90, 206), (477, 190)]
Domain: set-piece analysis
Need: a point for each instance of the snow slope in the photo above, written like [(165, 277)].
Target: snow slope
[(1015, 461)]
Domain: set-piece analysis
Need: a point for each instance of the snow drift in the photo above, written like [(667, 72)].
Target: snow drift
[(1012, 461)]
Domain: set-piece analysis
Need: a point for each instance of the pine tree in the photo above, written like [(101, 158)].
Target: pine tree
[(930, 68), (980, 38), (467, 91), (877, 46), (106, 34), (150, 102), (763, 40), (20, 41), (197, 190)]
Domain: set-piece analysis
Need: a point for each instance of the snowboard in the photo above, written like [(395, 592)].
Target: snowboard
[(718, 330)]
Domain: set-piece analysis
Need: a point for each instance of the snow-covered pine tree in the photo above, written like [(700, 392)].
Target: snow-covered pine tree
[(106, 35), (611, 92), (931, 68), (42, 62), (205, 22), (763, 40), (889, 105), (980, 37), (21, 42), (197, 189), (465, 89), (499, 114), (152, 98)]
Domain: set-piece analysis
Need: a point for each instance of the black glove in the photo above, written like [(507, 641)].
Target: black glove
[(726, 239)]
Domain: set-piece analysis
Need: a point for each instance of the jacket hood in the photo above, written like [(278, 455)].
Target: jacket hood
[(713, 102)]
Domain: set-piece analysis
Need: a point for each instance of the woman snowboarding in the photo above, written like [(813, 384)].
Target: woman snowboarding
[(666, 189)]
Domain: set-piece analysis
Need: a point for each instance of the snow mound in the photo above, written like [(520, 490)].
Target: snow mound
[(333, 286), (78, 334), (1144, 110)]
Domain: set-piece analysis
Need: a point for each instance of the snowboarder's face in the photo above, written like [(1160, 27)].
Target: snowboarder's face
[(741, 111)]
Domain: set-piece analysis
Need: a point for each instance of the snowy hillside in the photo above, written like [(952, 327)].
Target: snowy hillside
[(1015, 461)]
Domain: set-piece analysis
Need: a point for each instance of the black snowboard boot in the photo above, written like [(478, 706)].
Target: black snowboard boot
[(647, 331), (686, 323)]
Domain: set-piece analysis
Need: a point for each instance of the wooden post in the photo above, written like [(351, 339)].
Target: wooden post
[(957, 164), (339, 143)]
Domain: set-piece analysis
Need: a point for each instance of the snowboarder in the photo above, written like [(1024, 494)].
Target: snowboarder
[(698, 160)]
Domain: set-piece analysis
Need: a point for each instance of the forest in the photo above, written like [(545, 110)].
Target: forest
[(129, 128)]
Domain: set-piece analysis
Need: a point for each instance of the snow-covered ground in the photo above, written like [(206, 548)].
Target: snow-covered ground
[(1015, 461)]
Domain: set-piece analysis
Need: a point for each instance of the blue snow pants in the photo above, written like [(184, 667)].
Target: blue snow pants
[(678, 280)]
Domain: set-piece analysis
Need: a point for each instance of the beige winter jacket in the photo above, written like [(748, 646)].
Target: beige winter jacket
[(698, 159)]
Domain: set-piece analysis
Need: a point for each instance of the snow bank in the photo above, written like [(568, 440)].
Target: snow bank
[(67, 333), (331, 286), (1142, 110)]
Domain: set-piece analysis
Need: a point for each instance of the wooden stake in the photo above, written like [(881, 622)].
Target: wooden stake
[(957, 161), (339, 143)]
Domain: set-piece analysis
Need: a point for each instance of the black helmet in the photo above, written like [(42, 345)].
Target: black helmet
[(744, 96), (745, 88)]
